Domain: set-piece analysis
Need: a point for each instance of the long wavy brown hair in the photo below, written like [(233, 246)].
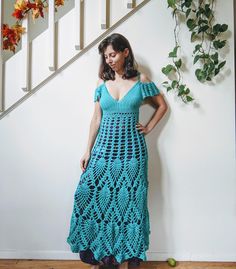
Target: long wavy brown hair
[(118, 43)]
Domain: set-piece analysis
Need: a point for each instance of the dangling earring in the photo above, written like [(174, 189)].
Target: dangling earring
[(128, 63)]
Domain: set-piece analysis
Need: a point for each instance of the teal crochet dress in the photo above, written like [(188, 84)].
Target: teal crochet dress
[(110, 218)]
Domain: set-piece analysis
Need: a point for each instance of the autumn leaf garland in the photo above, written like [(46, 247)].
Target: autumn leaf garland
[(12, 35)]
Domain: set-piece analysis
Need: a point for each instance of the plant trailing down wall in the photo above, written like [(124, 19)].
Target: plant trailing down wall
[(12, 35), (198, 16)]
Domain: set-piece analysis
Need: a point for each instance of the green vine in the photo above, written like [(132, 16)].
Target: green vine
[(198, 16)]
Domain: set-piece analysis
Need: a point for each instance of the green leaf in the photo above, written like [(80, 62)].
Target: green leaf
[(171, 3), (211, 67), (182, 5), (197, 47), (180, 93), (178, 63), (200, 74), (187, 91), (221, 64), (203, 28), (200, 11), (197, 72), (192, 36), (196, 58), (163, 70), (189, 98), (205, 56), (188, 3), (219, 28), (217, 70), (187, 12), (219, 44), (204, 74), (205, 66), (181, 88), (223, 28), (201, 21), (214, 57), (174, 83), (216, 28), (169, 88), (207, 11), (216, 44), (166, 85), (173, 53), (191, 24), (166, 70), (222, 44)]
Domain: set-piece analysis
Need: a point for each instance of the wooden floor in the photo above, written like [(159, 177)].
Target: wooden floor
[(54, 264)]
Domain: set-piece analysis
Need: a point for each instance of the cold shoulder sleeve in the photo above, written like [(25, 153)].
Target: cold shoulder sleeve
[(97, 93), (149, 89)]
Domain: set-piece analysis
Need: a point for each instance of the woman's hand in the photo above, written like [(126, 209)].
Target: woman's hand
[(84, 161), (143, 129)]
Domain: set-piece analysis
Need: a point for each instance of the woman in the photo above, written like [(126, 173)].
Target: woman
[(110, 219)]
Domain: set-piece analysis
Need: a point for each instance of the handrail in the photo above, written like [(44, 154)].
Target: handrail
[(74, 58)]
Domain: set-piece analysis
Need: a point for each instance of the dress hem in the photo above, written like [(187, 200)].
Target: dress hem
[(99, 257)]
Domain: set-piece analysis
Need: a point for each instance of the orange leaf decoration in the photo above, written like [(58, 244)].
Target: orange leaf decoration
[(21, 5), (59, 2), (11, 36), (37, 9), (18, 14)]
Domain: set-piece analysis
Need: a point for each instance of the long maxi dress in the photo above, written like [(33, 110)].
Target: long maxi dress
[(110, 218)]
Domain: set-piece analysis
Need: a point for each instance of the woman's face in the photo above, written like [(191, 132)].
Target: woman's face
[(114, 58)]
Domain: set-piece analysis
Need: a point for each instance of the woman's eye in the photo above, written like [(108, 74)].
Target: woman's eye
[(112, 55)]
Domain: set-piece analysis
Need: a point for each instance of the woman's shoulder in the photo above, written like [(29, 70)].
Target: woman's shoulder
[(100, 82), (144, 78), (148, 87)]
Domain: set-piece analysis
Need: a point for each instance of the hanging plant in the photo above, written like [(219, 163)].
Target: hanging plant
[(198, 17), (12, 35)]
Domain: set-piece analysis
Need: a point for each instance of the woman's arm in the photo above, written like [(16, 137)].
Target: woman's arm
[(95, 123), (160, 105), (161, 109)]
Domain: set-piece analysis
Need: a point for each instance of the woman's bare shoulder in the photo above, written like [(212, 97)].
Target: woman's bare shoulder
[(144, 78), (99, 82)]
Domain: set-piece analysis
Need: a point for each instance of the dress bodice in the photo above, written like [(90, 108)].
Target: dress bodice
[(130, 102)]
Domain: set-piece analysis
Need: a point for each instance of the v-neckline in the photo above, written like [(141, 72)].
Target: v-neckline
[(119, 100)]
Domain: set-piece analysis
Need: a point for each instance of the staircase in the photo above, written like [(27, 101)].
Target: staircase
[(40, 60)]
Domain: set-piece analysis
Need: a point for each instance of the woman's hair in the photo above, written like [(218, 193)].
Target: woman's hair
[(118, 43)]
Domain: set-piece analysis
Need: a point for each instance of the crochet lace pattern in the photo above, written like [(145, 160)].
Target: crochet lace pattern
[(110, 214)]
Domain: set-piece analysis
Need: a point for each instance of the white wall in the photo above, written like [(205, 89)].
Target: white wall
[(192, 199)]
